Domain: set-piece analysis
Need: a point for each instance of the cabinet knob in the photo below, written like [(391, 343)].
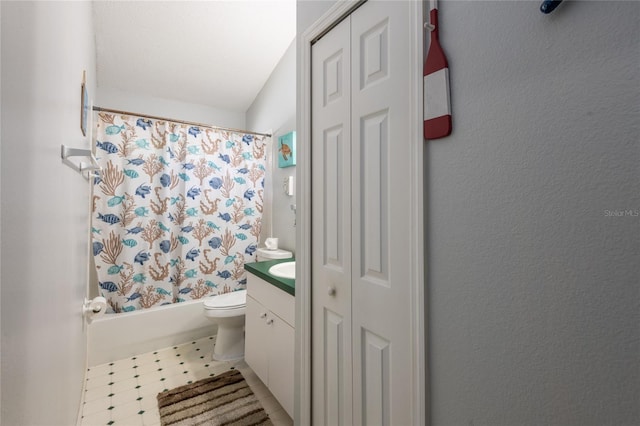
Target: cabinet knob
[(331, 291), (270, 321), (263, 315)]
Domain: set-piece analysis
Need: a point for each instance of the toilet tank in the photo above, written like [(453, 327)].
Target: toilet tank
[(266, 254)]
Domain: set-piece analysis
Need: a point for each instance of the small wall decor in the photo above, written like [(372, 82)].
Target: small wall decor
[(84, 104), (287, 150), (437, 98)]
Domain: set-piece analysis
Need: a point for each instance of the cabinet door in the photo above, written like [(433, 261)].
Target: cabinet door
[(281, 359), (257, 339)]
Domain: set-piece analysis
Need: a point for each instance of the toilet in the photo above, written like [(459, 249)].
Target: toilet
[(227, 311)]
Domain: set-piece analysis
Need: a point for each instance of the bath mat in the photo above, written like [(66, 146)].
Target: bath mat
[(225, 399)]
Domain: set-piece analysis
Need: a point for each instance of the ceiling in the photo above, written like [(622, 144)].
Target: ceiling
[(214, 53)]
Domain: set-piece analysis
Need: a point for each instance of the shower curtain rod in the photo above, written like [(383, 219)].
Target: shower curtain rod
[(191, 123)]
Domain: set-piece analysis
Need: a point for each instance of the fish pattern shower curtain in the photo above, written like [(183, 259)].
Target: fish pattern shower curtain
[(176, 212)]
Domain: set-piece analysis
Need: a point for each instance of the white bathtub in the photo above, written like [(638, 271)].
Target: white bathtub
[(117, 336)]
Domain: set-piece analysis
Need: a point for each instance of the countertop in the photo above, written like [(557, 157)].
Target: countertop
[(261, 270)]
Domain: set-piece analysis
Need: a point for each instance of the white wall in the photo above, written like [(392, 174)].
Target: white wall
[(44, 210), (534, 302), (143, 104), (274, 110)]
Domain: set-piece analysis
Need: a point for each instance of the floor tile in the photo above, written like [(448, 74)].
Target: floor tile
[(123, 364), (99, 370), (98, 381), (124, 385), (142, 368), (150, 377), (200, 373), (97, 393), (134, 420), (151, 417), (174, 381), (100, 418), (149, 403), (152, 389), (130, 409), (97, 405), (142, 359), (124, 397), (121, 375)]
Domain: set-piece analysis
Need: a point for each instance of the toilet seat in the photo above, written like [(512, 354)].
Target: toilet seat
[(227, 301)]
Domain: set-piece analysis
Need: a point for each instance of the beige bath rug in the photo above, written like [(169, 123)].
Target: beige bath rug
[(225, 399)]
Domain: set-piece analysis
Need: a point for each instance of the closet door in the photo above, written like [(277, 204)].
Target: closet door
[(381, 214), (361, 121), (331, 229)]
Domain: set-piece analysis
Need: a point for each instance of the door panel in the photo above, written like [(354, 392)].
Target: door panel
[(373, 247), (374, 54), (331, 229), (375, 379), (334, 368), (380, 123), (334, 185)]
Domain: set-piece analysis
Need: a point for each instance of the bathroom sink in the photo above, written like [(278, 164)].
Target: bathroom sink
[(284, 270)]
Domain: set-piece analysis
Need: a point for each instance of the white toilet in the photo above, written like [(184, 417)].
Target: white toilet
[(227, 310)]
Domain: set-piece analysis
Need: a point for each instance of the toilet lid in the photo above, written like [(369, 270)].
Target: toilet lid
[(232, 300)]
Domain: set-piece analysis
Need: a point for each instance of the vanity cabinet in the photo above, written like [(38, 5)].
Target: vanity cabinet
[(270, 338)]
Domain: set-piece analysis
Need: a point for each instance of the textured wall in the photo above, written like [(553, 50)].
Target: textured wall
[(45, 210), (274, 109), (534, 311), (534, 295)]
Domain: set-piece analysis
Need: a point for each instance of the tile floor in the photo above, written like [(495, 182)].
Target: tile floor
[(124, 392)]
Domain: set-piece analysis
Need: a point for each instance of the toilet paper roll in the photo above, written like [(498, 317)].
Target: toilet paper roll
[(271, 243), (97, 306)]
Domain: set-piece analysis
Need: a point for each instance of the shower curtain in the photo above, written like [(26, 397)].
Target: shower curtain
[(176, 212)]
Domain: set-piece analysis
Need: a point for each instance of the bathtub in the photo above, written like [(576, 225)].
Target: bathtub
[(116, 336)]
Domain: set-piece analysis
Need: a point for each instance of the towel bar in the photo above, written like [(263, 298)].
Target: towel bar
[(92, 168)]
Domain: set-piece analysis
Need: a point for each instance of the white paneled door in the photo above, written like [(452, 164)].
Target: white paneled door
[(331, 228), (361, 220)]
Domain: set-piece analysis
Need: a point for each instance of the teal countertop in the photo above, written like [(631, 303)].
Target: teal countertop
[(261, 270)]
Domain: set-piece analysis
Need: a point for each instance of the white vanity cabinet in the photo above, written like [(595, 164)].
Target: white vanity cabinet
[(269, 338)]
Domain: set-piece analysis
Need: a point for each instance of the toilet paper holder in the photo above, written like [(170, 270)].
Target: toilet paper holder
[(94, 307)]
